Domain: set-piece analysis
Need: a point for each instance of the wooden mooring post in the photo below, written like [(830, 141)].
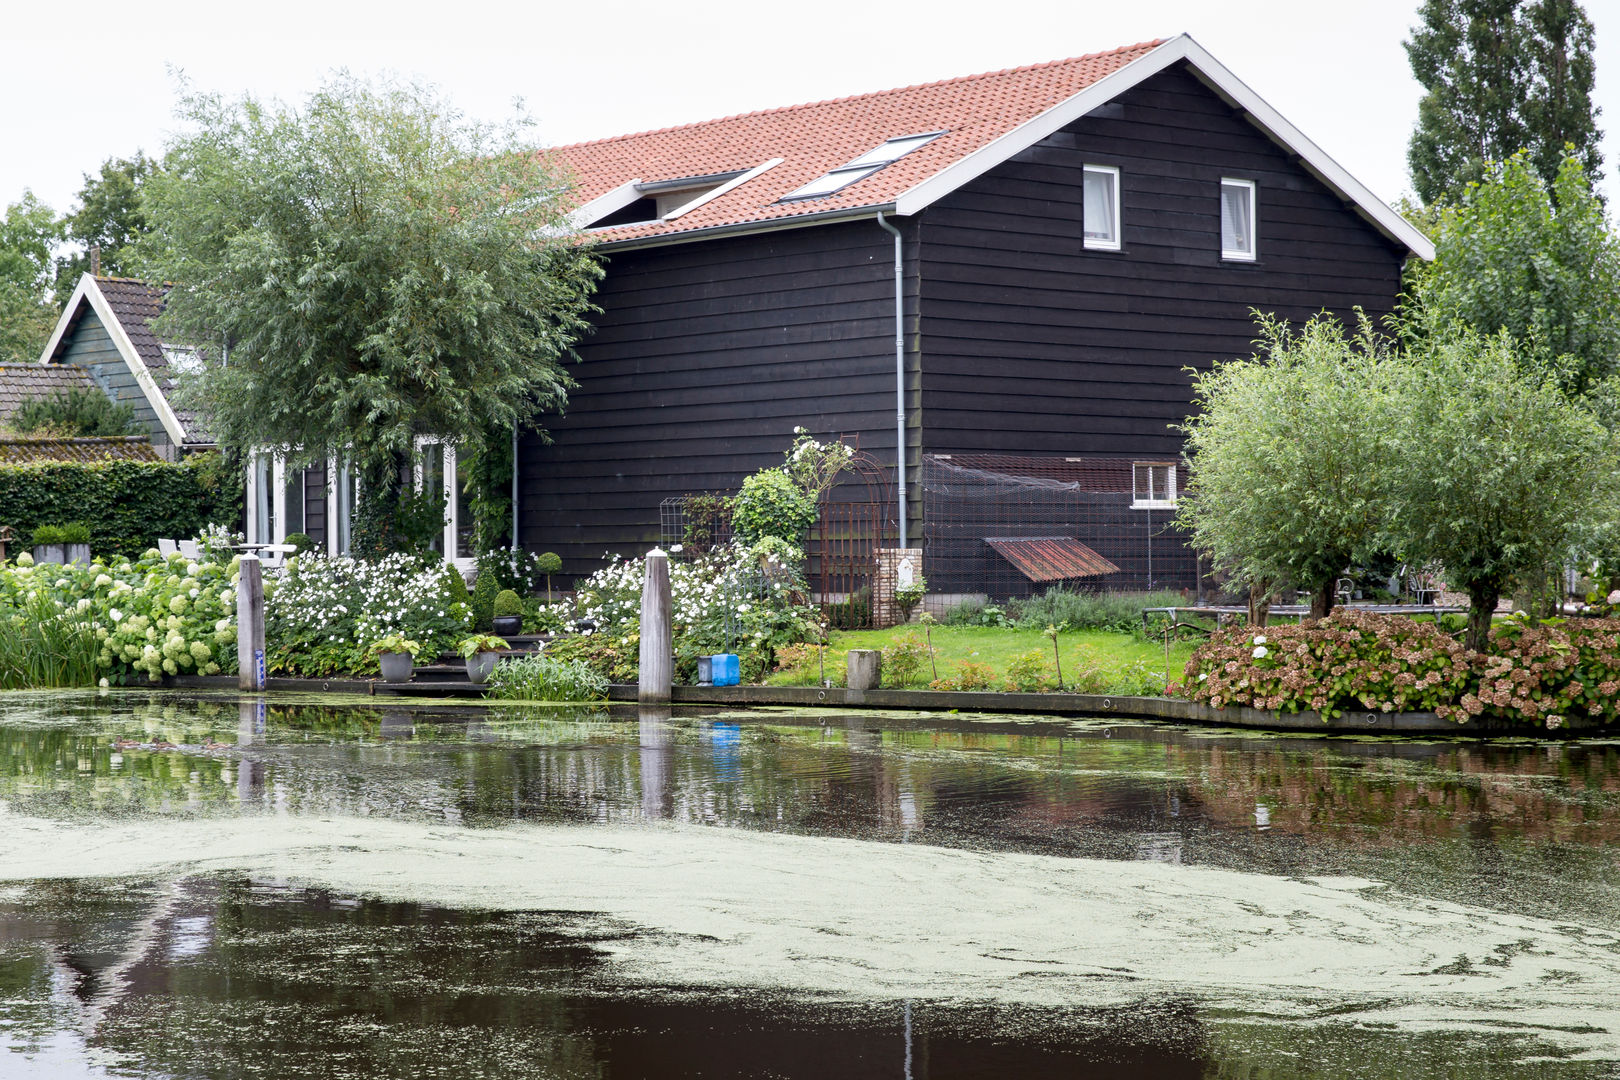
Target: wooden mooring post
[(657, 673), (250, 624)]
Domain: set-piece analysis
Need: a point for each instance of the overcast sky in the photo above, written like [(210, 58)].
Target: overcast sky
[(90, 80)]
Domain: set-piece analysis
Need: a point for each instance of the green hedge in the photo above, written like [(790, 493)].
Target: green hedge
[(127, 504)]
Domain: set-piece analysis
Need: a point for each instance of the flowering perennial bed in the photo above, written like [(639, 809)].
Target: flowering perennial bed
[(1533, 674)]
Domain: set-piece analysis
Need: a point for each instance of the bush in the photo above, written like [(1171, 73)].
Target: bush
[(299, 542), (513, 569), (127, 505), (968, 675), (484, 591), (544, 678), (507, 603), (323, 616), (46, 535), (903, 658), (44, 644), (977, 613), (75, 414), (617, 660), (1069, 609), (1531, 674), (1029, 673), (771, 504)]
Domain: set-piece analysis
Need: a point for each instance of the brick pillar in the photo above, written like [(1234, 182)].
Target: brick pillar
[(885, 612)]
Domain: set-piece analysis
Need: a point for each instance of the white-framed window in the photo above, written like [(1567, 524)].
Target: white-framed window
[(1237, 219), (1100, 207), (435, 468), (1153, 485)]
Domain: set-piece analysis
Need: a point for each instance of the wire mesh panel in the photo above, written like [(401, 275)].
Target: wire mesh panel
[(1009, 526), (690, 525)]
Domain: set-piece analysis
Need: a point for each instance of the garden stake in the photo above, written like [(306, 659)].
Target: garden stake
[(1052, 632)]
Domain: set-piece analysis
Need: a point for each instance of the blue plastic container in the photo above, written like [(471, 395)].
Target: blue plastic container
[(725, 669)]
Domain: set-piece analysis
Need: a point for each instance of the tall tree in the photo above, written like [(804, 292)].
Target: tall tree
[(1538, 261), (380, 266), (1501, 76), (29, 233), (108, 216)]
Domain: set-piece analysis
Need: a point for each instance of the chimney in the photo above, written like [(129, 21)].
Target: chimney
[(95, 260)]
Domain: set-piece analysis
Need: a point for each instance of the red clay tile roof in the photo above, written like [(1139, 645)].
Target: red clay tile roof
[(32, 451), (812, 139)]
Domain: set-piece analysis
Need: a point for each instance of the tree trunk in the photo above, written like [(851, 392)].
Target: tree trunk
[(1482, 601), (1259, 603), (1322, 598)]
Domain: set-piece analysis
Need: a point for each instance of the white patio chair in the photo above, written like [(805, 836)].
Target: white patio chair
[(188, 548), (167, 548)]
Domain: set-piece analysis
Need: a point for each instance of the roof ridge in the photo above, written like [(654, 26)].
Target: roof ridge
[(1140, 45)]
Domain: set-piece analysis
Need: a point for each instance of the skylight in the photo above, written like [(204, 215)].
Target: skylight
[(860, 168)]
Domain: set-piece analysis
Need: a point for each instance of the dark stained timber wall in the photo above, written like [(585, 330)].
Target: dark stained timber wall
[(705, 358), (1033, 344)]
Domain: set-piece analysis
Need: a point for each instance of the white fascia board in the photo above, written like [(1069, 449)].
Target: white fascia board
[(605, 204), (137, 366), (729, 185), (1182, 47), (85, 282)]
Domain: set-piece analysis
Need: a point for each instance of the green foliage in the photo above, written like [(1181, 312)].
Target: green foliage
[(1495, 472), (75, 532), (1120, 612), (110, 216), (45, 645), (1542, 675), (1288, 451), (771, 504), (1029, 673), (909, 596), (128, 505), (394, 643), (813, 466), (391, 518), (29, 233), (1534, 258), (903, 658), (455, 586), (75, 414), (705, 519), (547, 678), (473, 644), (514, 568), (967, 675), (299, 542), (980, 613), (45, 535), (485, 473), (219, 477), (614, 659), (507, 603), (380, 265), (548, 562), (854, 612), (485, 589), (1501, 76)]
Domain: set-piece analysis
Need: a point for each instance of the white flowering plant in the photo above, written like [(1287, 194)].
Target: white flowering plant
[(324, 614), (746, 599), (152, 617)]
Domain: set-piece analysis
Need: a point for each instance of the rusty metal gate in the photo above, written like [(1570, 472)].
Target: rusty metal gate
[(856, 519)]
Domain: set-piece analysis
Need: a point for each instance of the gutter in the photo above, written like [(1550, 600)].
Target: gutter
[(899, 371), (744, 228)]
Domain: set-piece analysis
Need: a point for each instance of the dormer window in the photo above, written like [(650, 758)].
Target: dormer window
[(638, 202), (860, 168)]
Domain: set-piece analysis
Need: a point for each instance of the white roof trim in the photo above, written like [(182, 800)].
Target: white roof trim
[(605, 204), (1181, 47), (734, 182), (87, 289)]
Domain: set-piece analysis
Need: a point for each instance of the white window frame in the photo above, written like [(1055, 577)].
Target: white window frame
[(1168, 502), (342, 492), (1095, 243), (1235, 254), (449, 544)]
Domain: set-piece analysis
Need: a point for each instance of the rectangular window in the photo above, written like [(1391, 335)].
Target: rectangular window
[(1101, 208), (1237, 219), (1153, 485)]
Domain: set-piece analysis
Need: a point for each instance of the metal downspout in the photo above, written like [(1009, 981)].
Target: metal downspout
[(515, 542), (899, 372)]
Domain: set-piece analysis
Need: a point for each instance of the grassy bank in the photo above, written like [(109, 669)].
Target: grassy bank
[(1109, 662)]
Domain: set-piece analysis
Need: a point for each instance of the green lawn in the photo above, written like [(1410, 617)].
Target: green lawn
[(1122, 663)]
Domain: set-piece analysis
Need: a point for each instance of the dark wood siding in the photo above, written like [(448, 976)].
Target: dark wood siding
[(91, 347), (705, 358), (1033, 344)]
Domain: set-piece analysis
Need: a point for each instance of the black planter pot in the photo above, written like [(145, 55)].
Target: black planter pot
[(507, 625)]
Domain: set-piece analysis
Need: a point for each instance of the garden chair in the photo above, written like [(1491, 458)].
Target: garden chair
[(167, 548), (188, 548)]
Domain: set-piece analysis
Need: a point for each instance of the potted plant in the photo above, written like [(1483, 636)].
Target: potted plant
[(508, 613), (76, 540), (480, 651), (548, 563), (49, 546), (396, 657), (909, 595)]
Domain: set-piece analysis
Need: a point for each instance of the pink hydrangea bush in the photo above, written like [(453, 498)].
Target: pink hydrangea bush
[(1357, 660)]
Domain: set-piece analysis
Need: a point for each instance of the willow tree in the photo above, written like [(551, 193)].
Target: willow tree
[(362, 269), (1288, 455)]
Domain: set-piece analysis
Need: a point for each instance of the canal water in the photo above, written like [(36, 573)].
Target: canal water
[(221, 888)]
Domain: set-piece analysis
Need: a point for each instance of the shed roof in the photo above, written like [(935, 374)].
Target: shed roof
[(32, 382), (983, 120), (121, 448)]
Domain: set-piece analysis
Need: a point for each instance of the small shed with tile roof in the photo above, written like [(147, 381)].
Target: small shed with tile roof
[(106, 330)]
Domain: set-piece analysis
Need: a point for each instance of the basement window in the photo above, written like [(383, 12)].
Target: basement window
[(1153, 485), (860, 168)]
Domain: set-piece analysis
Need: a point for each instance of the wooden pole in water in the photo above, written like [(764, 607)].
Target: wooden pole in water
[(657, 650), (250, 624)]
